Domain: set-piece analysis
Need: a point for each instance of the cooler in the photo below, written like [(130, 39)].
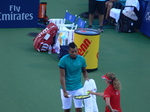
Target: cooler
[(88, 42)]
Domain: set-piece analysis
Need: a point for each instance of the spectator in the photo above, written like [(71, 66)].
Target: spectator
[(109, 4)]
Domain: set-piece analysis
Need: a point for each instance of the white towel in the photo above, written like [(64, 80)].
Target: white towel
[(70, 36), (90, 103), (134, 3), (115, 13)]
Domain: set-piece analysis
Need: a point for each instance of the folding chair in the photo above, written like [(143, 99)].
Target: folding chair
[(64, 25), (67, 35), (71, 18), (80, 23), (68, 22)]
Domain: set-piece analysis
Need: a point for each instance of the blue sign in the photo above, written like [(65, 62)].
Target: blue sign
[(18, 13), (145, 27)]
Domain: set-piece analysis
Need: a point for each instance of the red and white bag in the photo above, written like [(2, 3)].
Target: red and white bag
[(45, 38)]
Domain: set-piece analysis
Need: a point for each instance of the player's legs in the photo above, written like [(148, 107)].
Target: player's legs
[(67, 110), (92, 9), (108, 7), (78, 109), (101, 11), (66, 102), (91, 17), (101, 19), (78, 103)]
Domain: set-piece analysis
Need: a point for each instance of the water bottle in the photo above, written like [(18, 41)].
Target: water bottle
[(50, 50)]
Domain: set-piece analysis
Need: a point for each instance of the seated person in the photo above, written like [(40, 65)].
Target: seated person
[(109, 4)]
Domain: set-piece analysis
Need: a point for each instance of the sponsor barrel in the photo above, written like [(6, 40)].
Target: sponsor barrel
[(88, 42)]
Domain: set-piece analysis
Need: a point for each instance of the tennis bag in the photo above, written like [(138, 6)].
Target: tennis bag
[(127, 20), (126, 24), (63, 51), (45, 38)]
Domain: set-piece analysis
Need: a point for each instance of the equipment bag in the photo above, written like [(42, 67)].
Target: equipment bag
[(45, 38), (126, 24), (63, 51), (127, 20)]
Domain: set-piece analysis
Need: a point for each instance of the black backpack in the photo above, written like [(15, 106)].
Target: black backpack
[(125, 24), (63, 51)]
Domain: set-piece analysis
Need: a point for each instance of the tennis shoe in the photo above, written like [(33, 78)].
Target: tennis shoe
[(101, 29), (90, 26)]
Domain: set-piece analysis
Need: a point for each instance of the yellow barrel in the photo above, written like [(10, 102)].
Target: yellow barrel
[(88, 42)]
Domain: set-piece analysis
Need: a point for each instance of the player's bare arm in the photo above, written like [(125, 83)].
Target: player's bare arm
[(62, 82), (85, 74)]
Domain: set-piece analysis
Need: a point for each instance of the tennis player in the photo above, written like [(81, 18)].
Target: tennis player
[(111, 94), (71, 66)]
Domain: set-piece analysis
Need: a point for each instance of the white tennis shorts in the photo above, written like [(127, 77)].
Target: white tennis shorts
[(67, 102)]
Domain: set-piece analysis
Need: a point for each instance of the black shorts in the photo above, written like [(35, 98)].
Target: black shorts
[(96, 5)]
